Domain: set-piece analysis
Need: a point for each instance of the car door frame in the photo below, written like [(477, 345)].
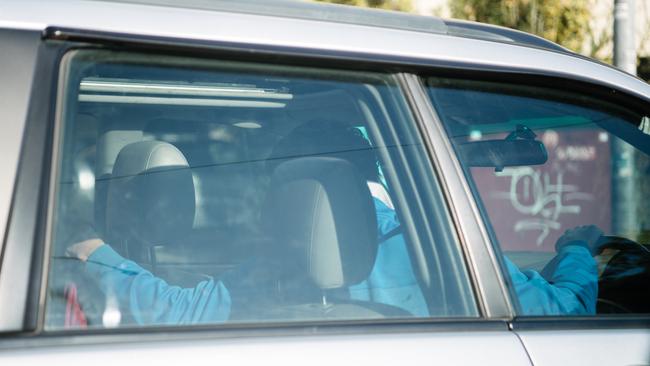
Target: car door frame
[(552, 340)]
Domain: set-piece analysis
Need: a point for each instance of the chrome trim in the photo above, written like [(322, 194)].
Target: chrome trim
[(129, 87), (196, 102), (489, 283)]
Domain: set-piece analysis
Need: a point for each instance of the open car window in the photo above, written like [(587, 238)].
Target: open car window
[(195, 191), (563, 182)]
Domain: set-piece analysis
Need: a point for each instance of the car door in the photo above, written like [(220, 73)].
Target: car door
[(581, 163), (165, 219)]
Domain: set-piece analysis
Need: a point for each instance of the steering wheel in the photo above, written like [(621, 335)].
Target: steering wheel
[(626, 275), (619, 243)]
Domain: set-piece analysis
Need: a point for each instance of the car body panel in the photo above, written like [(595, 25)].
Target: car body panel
[(587, 347), (487, 348), (17, 63), (195, 24)]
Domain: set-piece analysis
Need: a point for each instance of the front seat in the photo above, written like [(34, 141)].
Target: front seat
[(150, 199), (323, 219)]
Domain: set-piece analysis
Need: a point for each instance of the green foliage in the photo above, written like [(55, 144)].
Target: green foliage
[(401, 5), (562, 21)]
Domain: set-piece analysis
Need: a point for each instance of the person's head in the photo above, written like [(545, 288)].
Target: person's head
[(321, 137)]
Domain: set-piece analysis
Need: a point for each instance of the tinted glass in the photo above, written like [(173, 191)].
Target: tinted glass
[(193, 191), (562, 181)]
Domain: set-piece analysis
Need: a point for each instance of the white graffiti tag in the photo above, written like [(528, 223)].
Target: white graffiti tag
[(533, 194)]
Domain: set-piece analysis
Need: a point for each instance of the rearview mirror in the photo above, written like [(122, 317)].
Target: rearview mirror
[(503, 153)]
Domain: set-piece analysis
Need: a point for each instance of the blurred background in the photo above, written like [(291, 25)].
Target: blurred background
[(613, 31)]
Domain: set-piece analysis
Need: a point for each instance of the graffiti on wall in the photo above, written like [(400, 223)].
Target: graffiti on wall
[(531, 206), (543, 199)]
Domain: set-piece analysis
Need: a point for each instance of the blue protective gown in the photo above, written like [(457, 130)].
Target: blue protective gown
[(392, 280), (151, 300), (571, 289)]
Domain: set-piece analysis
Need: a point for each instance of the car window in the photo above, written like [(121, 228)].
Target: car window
[(562, 181), (195, 191)]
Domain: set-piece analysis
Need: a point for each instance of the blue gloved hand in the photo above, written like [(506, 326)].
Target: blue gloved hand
[(586, 236)]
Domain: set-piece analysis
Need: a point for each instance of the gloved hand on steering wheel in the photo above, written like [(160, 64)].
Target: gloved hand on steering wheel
[(586, 236)]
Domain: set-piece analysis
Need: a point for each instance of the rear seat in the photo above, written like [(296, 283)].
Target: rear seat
[(228, 196)]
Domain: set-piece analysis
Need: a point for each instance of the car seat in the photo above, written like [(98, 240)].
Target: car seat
[(150, 200), (322, 217)]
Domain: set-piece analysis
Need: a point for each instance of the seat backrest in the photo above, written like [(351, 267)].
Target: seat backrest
[(322, 217), (228, 195), (150, 195)]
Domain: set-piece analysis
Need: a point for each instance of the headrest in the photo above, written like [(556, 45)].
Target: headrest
[(150, 194), (322, 214), (326, 138)]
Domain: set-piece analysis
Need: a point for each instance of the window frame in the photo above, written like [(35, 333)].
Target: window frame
[(40, 266), (393, 103)]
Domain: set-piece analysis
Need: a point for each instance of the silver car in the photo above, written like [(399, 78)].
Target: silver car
[(250, 182)]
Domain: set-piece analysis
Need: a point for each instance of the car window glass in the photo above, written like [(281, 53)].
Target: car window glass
[(561, 180), (193, 191)]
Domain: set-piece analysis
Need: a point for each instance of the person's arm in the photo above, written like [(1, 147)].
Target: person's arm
[(150, 300), (571, 284), (387, 220), (392, 280)]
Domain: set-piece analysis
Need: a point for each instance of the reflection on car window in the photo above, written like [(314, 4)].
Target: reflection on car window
[(192, 191), (560, 179)]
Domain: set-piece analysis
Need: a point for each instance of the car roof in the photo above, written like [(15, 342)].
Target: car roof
[(327, 27), (360, 16)]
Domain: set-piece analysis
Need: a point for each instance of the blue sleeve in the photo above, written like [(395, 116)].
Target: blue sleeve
[(571, 288), (386, 218), (392, 280), (150, 300)]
